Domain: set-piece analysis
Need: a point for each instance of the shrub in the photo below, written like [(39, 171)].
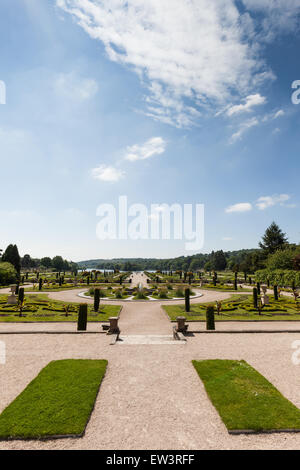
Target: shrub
[(140, 295), (21, 295), (210, 318), (82, 317), (162, 294), (280, 277), (187, 299), (275, 292), (119, 294), (255, 298), (179, 292), (8, 274), (96, 300)]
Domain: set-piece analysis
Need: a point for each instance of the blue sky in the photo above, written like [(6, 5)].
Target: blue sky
[(181, 101)]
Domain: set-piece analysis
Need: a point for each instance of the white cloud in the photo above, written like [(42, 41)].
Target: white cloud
[(250, 102), (274, 115), (244, 127), (240, 207), (279, 114), (188, 54), (276, 131), (275, 16), (227, 239), (107, 173), (71, 86), (268, 201), (154, 146)]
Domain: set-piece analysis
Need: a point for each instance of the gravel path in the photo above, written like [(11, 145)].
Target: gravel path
[(151, 397)]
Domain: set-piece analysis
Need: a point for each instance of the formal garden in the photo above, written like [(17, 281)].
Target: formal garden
[(240, 308), (39, 308)]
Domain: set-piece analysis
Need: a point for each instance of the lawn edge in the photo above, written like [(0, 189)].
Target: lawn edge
[(61, 436)]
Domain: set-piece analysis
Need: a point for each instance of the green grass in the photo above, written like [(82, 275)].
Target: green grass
[(58, 402), (38, 308), (244, 399), (239, 308)]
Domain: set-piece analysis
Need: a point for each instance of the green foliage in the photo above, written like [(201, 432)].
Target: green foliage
[(279, 277), (11, 255), (273, 239), (163, 293), (241, 308), (140, 295), (21, 295), (8, 274), (46, 262), (255, 297), (96, 300), (218, 261), (282, 259)]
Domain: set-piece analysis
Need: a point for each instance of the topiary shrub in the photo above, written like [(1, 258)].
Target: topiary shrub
[(96, 300), (21, 295), (275, 288), (210, 318), (119, 294), (258, 288), (255, 297), (179, 292), (162, 294), (187, 299), (82, 317)]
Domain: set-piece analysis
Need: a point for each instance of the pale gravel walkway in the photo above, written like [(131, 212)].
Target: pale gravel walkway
[(151, 397)]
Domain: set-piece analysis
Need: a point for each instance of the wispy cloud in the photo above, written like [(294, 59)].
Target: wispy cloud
[(249, 103), (154, 146), (274, 115), (239, 207), (244, 127), (107, 173), (189, 55), (74, 87), (265, 202), (275, 16)]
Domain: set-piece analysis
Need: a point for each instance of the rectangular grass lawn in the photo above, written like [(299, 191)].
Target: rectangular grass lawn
[(58, 402), (244, 399)]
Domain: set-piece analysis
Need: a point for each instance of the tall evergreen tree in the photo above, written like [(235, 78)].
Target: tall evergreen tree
[(11, 255), (273, 239), (219, 261)]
